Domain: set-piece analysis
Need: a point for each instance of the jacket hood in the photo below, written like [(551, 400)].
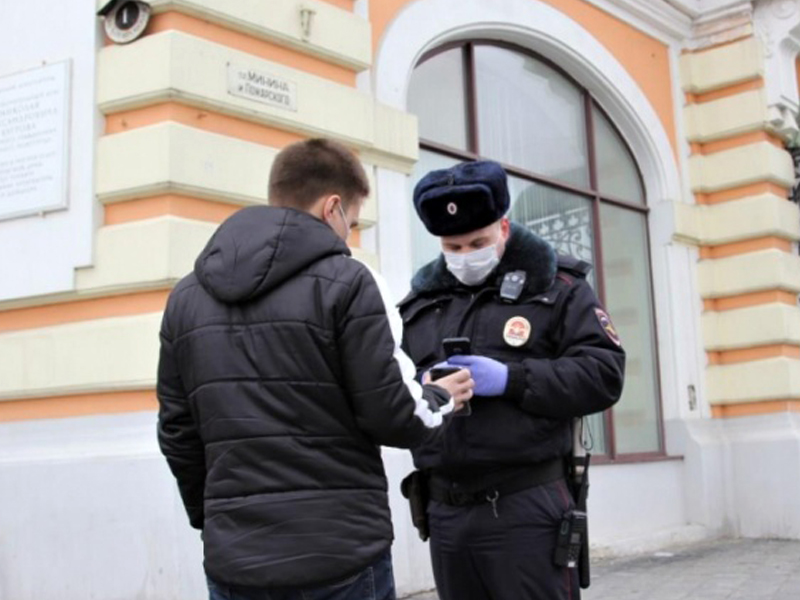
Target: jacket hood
[(259, 247), (524, 251)]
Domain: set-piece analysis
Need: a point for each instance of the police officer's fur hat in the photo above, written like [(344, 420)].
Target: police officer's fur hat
[(462, 198)]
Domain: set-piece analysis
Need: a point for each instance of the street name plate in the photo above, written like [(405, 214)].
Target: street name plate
[(262, 87), (34, 136)]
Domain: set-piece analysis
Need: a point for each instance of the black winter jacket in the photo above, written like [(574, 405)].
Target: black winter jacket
[(566, 364), (280, 375)]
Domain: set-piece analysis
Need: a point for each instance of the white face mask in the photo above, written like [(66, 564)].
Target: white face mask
[(474, 267)]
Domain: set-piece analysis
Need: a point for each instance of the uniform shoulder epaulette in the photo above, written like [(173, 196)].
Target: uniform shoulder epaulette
[(573, 266)]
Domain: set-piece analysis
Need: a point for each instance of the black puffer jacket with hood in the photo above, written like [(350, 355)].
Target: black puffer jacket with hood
[(280, 375)]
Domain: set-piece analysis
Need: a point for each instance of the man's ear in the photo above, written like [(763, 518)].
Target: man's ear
[(329, 206), (505, 228)]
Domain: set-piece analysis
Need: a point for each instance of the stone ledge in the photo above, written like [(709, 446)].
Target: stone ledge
[(753, 381), (766, 324), (119, 353), (727, 222), (154, 252), (726, 117), (194, 71), (337, 35), (753, 272), (174, 158), (743, 165), (721, 67)]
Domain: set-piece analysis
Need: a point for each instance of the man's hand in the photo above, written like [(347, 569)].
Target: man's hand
[(459, 385), (491, 376)]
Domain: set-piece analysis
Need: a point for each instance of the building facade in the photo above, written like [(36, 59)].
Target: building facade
[(656, 139)]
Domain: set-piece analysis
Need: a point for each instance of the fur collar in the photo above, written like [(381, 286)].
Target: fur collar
[(525, 251)]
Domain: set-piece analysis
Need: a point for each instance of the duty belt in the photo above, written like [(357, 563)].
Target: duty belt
[(537, 474)]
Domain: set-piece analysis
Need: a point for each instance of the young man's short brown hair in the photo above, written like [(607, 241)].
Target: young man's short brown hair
[(305, 171)]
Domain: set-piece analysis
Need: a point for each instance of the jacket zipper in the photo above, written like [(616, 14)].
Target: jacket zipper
[(470, 307)]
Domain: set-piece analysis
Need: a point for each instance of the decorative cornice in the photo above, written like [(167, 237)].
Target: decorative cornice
[(687, 7), (312, 27), (722, 23), (777, 24), (721, 9), (663, 20)]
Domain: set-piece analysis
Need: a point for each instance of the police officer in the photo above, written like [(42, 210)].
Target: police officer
[(543, 352)]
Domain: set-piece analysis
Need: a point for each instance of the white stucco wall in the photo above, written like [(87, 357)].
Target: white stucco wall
[(90, 510), (47, 248)]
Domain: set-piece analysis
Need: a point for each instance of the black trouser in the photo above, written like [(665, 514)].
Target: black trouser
[(477, 556)]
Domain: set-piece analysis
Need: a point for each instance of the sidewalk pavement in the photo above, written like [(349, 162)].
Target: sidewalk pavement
[(722, 569)]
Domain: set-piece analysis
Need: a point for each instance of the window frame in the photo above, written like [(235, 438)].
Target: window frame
[(593, 194)]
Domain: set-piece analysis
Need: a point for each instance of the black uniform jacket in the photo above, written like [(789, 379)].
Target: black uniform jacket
[(566, 363), (280, 374)]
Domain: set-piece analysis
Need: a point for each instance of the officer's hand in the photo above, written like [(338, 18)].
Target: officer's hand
[(491, 376)]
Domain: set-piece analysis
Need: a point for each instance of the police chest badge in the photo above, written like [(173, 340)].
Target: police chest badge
[(607, 325), (516, 331)]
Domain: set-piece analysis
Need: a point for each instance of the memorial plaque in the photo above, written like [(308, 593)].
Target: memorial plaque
[(34, 125), (262, 87)]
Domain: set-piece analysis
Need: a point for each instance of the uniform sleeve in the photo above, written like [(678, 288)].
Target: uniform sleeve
[(389, 404), (178, 434), (588, 374)]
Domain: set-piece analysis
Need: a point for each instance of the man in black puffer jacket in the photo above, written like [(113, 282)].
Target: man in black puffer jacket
[(279, 378)]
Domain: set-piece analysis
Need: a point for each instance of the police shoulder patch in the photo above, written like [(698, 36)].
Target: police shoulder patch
[(607, 325)]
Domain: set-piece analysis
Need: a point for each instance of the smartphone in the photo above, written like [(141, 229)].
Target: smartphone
[(438, 373), (456, 345)]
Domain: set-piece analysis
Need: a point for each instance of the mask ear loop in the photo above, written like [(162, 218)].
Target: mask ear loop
[(344, 221)]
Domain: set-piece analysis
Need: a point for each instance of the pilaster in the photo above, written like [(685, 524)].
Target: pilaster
[(739, 116)]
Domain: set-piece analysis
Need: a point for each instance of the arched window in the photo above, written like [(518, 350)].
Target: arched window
[(573, 181)]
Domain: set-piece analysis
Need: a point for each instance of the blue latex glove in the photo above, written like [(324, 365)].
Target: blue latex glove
[(490, 376)]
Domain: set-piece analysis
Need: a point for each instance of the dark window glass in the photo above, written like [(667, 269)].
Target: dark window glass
[(437, 96), (530, 116)]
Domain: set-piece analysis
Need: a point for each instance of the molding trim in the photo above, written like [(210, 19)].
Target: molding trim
[(79, 358), (778, 26), (194, 72), (664, 21), (153, 253), (173, 158), (726, 117), (727, 222), (726, 22), (336, 35), (741, 166), (764, 270), (762, 325), (722, 67), (750, 382)]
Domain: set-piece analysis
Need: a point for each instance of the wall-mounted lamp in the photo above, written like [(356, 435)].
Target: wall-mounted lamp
[(306, 17)]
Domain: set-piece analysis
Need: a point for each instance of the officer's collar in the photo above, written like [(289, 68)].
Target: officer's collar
[(525, 251)]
